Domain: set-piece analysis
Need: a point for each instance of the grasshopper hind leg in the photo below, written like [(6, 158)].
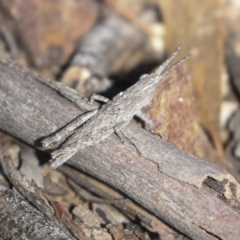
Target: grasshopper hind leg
[(62, 134)]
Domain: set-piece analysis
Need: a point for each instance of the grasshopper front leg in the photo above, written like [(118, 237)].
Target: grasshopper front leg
[(98, 98), (147, 120), (118, 130)]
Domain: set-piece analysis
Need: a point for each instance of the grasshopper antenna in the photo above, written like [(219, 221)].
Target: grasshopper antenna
[(175, 65)]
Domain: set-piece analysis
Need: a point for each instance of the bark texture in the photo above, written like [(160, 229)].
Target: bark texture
[(175, 186), (20, 220)]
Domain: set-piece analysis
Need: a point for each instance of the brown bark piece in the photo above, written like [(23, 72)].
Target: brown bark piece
[(176, 119), (197, 25), (164, 179), (175, 116)]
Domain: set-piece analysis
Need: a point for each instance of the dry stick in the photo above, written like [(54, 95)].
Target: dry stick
[(37, 197), (165, 180), (20, 220)]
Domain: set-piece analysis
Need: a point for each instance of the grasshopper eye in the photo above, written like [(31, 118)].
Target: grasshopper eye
[(144, 76), (122, 94)]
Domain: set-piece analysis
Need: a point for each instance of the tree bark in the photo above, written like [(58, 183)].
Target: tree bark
[(20, 220), (174, 185)]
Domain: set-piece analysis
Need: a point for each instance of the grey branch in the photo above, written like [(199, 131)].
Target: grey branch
[(164, 179), (20, 220)]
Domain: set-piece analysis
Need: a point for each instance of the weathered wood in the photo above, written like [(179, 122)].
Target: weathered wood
[(20, 220), (37, 197), (164, 179)]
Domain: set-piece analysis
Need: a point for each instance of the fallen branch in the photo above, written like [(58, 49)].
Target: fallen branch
[(169, 182)]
